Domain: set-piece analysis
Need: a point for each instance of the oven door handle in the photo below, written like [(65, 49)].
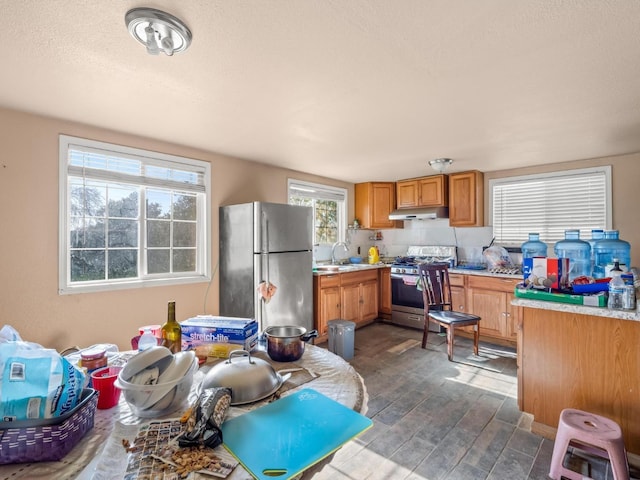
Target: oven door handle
[(400, 276)]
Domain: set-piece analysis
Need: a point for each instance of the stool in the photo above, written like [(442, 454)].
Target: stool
[(592, 433)]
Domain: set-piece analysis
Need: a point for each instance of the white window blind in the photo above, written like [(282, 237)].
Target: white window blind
[(550, 204)]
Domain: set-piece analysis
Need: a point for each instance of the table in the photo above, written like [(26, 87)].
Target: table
[(335, 378)]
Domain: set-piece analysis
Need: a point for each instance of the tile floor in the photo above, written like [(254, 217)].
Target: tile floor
[(435, 419)]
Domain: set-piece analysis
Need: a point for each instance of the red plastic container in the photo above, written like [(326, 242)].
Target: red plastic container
[(103, 381)]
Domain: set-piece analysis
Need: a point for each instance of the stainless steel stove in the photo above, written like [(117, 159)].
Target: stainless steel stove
[(407, 306)]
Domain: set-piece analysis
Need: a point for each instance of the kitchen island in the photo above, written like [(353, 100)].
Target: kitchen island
[(579, 357)]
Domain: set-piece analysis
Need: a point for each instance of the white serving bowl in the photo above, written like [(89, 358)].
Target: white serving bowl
[(162, 398)]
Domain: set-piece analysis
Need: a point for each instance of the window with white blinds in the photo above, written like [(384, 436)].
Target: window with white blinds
[(550, 204), (329, 209), (130, 217)]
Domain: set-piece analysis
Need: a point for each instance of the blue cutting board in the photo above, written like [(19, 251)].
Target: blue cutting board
[(283, 438)]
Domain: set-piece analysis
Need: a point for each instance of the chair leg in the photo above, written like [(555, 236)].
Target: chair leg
[(450, 336), (425, 333), (476, 338)]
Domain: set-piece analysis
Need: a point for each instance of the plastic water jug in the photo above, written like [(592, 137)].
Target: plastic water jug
[(596, 234), (577, 251), (534, 247), (606, 250)]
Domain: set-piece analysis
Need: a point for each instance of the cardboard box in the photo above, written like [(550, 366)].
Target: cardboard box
[(545, 273), (212, 336), (588, 300)]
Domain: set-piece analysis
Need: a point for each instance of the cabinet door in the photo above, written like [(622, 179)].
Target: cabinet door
[(458, 299), (513, 318), (432, 191), (384, 289), (466, 199), (329, 300), (374, 201), (369, 301), (350, 302), (407, 193), (490, 307)]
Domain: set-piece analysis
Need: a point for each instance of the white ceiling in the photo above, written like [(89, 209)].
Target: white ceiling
[(355, 90)]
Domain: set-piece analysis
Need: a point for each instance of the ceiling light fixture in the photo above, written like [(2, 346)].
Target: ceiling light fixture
[(440, 164), (158, 31)]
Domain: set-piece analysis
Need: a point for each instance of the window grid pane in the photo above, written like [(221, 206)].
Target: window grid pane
[(111, 222)]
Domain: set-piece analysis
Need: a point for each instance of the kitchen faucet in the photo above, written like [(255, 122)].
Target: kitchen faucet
[(333, 251)]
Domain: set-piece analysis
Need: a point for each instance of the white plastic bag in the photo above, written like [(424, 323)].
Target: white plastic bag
[(496, 257), (35, 382)]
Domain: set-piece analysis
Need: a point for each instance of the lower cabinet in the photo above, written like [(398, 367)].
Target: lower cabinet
[(458, 293), (349, 296), (490, 298), (384, 292)]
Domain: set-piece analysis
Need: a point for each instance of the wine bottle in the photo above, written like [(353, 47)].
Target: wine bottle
[(171, 331)]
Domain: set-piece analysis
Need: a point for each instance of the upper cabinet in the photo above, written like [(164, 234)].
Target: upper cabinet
[(374, 202), (466, 199), (422, 192)]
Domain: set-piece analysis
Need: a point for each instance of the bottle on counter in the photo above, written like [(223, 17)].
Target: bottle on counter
[(616, 287), (533, 247), (577, 251), (172, 331), (146, 340)]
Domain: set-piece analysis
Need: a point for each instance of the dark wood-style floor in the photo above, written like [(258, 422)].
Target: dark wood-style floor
[(435, 419)]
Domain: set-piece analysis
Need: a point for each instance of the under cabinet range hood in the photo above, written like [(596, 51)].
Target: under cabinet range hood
[(426, 213)]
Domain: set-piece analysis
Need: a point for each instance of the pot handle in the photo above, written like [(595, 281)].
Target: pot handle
[(309, 335), (239, 353)]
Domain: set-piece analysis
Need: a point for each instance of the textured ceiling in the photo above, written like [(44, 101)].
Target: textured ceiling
[(355, 90)]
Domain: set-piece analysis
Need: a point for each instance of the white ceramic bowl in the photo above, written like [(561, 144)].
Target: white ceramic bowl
[(162, 398)]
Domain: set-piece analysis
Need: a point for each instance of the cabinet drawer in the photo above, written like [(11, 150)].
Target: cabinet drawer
[(456, 280), (325, 281), (359, 277), (493, 283)]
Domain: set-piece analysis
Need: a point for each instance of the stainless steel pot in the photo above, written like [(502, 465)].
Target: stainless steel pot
[(286, 344), (250, 379)]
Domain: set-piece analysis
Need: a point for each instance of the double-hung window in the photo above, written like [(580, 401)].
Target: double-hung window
[(549, 204), (329, 209), (130, 217)]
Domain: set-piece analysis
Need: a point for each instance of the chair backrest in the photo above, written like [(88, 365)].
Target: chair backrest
[(436, 290)]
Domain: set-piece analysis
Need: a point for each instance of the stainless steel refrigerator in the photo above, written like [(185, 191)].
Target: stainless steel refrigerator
[(266, 263)]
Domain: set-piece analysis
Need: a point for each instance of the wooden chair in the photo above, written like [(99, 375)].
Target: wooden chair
[(436, 291)]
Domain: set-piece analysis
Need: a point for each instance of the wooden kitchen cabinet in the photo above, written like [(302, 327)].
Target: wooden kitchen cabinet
[(359, 294), (384, 292), (349, 296), (326, 302), (490, 298), (458, 294), (423, 192), (374, 201), (466, 199)]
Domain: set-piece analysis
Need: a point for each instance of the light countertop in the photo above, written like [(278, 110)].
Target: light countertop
[(633, 315)]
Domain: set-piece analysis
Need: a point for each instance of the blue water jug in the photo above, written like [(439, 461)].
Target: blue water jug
[(577, 251), (596, 234), (534, 247), (606, 250)]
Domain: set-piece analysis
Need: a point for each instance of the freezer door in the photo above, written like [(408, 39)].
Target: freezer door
[(282, 228), (292, 303)]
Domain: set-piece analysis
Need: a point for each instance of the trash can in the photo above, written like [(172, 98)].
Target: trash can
[(341, 338)]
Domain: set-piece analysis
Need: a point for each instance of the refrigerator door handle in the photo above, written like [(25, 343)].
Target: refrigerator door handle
[(265, 247)]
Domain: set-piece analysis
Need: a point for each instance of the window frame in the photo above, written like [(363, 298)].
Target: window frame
[(605, 169), (323, 192), (203, 219)]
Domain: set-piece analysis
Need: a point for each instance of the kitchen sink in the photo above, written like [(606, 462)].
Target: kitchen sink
[(343, 268)]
